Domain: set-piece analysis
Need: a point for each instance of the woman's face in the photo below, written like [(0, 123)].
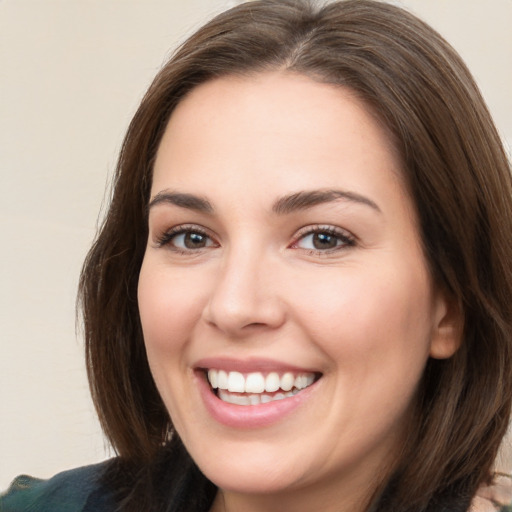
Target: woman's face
[(284, 259)]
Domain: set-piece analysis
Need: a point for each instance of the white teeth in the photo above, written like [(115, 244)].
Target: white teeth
[(303, 381), (256, 383), (272, 382), (236, 382), (212, 377), (287, 381), (252, 399), (241, 400), (222, 380)]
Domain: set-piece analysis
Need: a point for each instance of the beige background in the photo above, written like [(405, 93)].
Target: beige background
[(71, 75)]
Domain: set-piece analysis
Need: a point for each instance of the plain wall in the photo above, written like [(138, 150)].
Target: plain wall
[(71, 75)]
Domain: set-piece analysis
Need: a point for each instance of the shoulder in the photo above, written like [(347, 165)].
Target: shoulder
[(494, 497), (77, 490)]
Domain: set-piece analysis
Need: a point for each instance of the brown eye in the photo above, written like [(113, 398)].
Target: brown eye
[(193, 240), (324, 241), (186, 240)]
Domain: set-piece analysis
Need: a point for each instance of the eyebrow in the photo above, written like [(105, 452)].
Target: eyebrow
[(188, 201), (284, 205), (307, 199)]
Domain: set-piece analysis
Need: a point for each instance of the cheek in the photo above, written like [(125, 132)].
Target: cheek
[(169, 306), (365, 319), (376, 333)]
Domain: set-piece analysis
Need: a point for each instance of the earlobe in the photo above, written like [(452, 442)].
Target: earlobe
[(448, 327)]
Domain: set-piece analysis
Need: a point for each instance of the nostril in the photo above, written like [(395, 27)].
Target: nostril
[(255, 325), (242, 301)]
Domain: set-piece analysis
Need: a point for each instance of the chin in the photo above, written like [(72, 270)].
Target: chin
[(250, 470)]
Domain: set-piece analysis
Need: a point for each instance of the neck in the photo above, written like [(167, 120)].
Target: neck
[(343, 498)]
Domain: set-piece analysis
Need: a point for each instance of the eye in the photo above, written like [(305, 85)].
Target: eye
[(191, 240), (323, 239), (185, 239)]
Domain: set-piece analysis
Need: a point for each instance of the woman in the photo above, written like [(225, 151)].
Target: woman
[(299, 299)]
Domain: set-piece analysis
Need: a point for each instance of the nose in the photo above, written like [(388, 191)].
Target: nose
[(245, 296)]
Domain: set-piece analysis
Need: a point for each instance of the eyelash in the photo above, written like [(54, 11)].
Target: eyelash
[(346, 239), (167, 237)]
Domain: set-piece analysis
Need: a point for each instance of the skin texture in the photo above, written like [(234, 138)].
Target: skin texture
[(364, 314)]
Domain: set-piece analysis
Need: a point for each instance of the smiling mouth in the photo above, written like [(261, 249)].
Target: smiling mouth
[(257, 388)]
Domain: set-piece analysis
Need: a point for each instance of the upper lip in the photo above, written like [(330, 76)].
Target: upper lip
[(250, 365)]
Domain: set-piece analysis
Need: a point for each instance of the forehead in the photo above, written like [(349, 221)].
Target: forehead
[(277, 130)]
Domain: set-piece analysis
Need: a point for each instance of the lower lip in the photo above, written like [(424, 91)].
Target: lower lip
[(249, 416)]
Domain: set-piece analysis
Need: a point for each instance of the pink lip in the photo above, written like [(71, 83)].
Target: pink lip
[(248, 416), (249, 365)]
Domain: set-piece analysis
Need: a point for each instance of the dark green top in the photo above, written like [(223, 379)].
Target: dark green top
[(77, 490)]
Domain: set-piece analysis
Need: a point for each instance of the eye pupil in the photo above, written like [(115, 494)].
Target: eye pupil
[(194, 240), (324, 241)]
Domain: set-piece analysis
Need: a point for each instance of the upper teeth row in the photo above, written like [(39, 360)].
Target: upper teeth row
[(237, 382)]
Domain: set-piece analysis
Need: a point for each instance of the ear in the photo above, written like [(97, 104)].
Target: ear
[(448, 326)]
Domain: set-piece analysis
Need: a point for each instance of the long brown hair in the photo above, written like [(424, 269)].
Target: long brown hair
[(459, 179)]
